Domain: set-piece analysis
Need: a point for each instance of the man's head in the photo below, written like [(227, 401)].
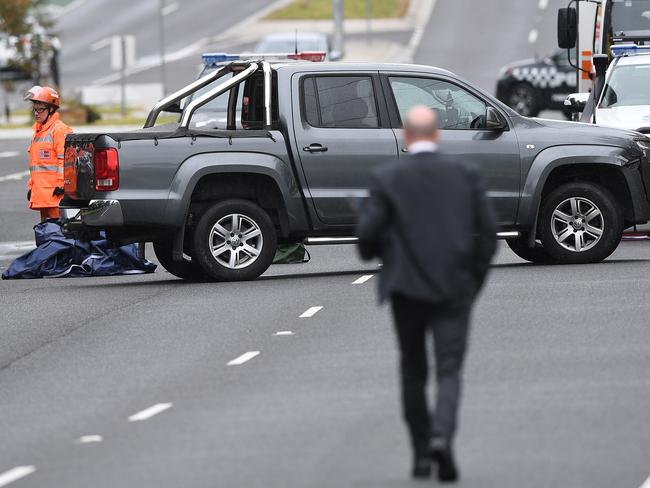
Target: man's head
[(420, 124), (45, 101)]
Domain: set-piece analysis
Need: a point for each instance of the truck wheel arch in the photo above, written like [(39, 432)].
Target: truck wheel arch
[(562, 164), (198, 166)]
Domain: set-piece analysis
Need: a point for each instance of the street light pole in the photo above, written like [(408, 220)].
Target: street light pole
[(338, 25), (161, 24)]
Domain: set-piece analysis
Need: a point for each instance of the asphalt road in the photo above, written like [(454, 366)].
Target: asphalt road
[(557, 389), (192, 23)]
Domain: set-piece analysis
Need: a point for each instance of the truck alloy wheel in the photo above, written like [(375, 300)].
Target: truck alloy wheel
[(580, 223), (577, 224), (235, 240)]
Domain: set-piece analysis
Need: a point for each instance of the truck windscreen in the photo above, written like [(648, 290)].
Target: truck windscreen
[(630, 17)]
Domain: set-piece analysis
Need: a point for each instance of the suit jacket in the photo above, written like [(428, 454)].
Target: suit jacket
[(430, 222)]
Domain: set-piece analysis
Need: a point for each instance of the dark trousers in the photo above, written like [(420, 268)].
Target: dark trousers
[(449, 324)]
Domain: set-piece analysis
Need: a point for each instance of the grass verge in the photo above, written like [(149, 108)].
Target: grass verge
[(353, 9)]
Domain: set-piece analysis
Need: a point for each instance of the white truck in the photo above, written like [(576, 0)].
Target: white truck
[(593, 26)]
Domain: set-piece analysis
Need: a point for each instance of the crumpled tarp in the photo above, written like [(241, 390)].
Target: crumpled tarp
[(57, 256)]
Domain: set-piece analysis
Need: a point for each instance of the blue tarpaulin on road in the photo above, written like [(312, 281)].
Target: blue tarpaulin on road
[(58, 256)]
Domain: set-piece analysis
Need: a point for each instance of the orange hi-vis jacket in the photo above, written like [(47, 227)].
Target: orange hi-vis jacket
[(46, 162)]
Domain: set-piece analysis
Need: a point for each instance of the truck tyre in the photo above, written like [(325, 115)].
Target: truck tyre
[(522, 98), (535, 254), (580, 223), (186, 269), (235, 240)]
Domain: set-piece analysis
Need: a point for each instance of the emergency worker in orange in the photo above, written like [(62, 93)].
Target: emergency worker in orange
[(46, 152)]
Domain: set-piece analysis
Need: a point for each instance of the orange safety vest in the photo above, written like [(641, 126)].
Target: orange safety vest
[(46, 162)]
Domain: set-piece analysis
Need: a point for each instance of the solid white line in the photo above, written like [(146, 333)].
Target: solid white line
[(543, 4), (243, 358), (89, 439), (284, 333), (9, 154), (532, 36), (646, 484), (14, 176), (15, 474), (362, 280), (421, 23), (310, 312), (150, 412)]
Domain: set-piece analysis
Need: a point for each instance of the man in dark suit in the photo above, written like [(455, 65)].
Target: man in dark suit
[(430, 222)]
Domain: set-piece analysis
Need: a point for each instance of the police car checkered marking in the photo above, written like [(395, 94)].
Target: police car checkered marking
[(544, 76)]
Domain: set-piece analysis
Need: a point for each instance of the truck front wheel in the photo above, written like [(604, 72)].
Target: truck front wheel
[(580, 223), (235, 240)]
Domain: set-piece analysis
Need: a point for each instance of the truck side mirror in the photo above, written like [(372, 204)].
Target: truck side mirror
[(567, 27), (576, 102), (493, 120)]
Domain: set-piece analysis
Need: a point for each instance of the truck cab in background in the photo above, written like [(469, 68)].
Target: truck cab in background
[(592, 27)]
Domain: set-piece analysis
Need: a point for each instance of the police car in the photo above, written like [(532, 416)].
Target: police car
[(625, 101), (533, 85)]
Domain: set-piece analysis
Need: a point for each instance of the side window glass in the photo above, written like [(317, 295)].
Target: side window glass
[(457, 108), (340, 102), (311, 103)]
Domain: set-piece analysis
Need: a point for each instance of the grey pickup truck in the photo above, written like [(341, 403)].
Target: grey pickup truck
[(267, 152)]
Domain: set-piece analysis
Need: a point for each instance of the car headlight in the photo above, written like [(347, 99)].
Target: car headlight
[(643, 144)]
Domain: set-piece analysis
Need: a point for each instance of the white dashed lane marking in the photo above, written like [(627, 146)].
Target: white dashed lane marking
[(15, 474), (311, 312), (169, 9), (532, 36), (14, 176), (9, 154), (243, 358), (150, 412), (543, 4), (89, 439), (284, 333), (362, 280)]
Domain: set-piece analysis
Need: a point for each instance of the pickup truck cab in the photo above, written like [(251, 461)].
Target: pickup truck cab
[(290, 161)]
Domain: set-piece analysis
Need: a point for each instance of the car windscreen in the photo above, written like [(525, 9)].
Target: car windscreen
[(627, 85), (630, 16)]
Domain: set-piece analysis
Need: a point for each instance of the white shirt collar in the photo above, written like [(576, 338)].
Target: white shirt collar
[(423, 147)]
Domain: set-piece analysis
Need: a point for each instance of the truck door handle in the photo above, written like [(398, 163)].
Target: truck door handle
[(315, 148), (405, 149)]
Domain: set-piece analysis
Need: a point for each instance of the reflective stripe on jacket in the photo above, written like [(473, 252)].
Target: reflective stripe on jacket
[(46, 162)]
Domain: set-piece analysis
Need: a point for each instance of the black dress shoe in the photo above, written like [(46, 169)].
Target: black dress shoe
[(421, 468), (442, 454)]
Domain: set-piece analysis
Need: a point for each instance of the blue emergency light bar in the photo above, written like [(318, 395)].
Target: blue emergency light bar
[(218, 58), (620, 50)]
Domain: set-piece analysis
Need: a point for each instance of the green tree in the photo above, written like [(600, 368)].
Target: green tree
[(23, 28)]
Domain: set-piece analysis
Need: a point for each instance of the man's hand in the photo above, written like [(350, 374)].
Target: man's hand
[(29, 195), (58, 191)]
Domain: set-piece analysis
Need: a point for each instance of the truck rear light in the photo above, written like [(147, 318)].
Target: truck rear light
[(107, 169)]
